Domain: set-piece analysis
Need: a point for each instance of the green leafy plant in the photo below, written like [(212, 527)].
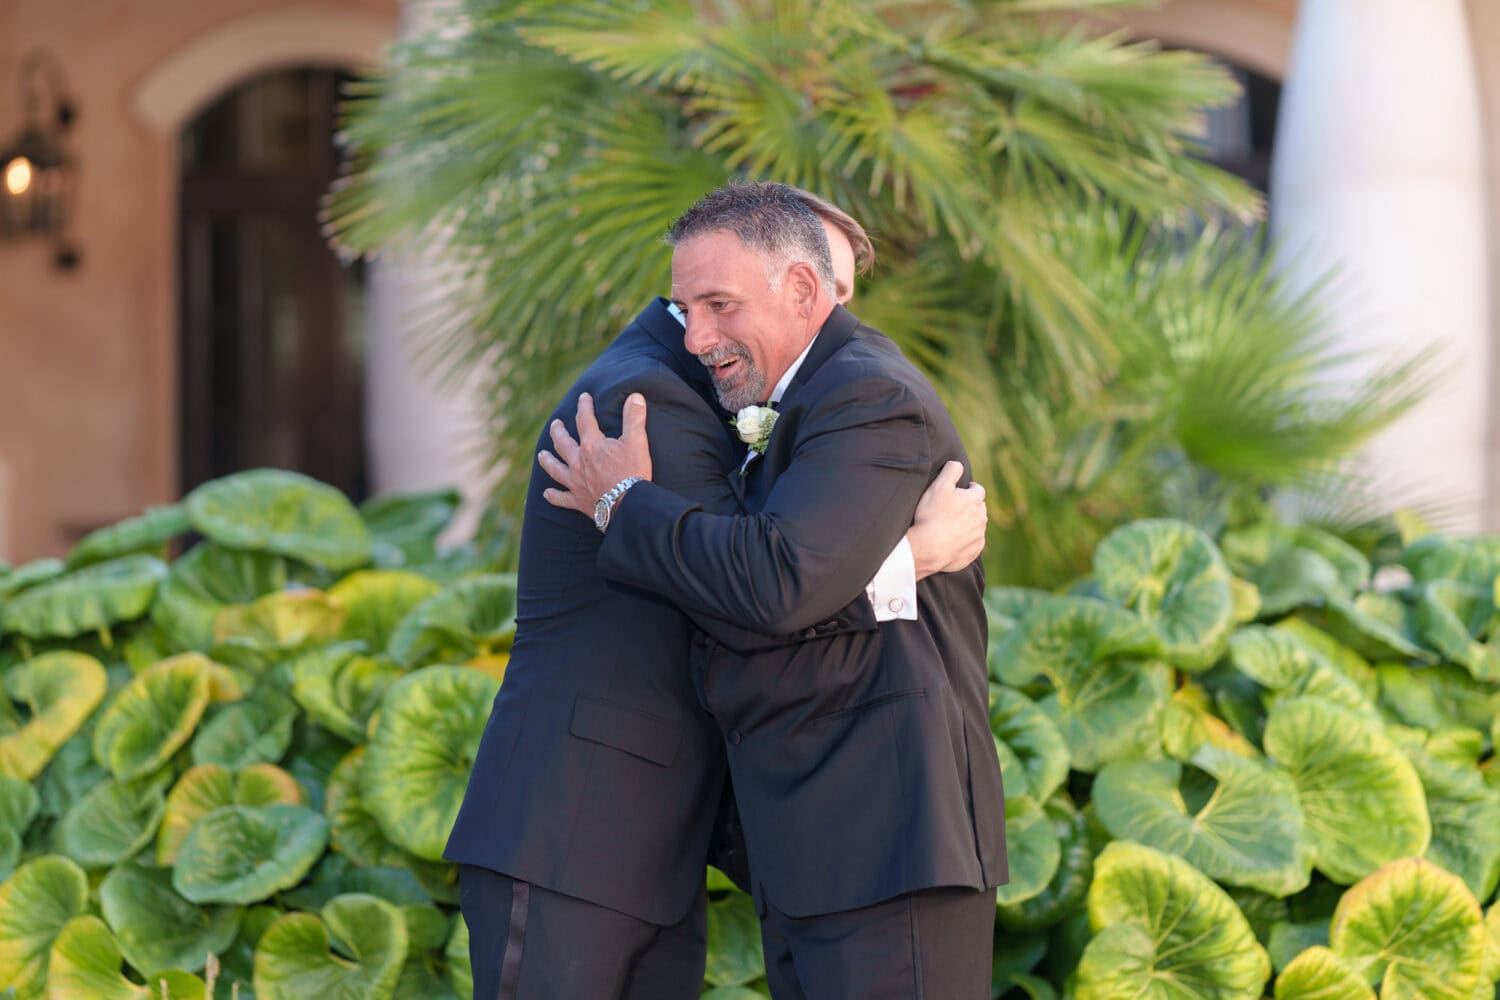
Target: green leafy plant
[(1210, 795)]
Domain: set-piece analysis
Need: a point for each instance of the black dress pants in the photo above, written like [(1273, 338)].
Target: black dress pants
[(936, 944), (527, 943)]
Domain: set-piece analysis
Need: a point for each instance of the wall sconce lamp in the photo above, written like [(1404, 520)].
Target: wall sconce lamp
[(38, 179)]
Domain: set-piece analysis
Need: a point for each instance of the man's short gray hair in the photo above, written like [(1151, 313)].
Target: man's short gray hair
[(770, 219)]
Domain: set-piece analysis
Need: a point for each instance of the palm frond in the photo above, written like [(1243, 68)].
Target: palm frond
[(1033, 191)]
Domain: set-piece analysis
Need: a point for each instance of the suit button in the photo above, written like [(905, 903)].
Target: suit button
[(810, 633), (896, 604), (733, 736)]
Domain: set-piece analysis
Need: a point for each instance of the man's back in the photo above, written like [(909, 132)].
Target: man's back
[(599, 774)]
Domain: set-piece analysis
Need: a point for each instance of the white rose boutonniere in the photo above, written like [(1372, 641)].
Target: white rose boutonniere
[(753, 424)]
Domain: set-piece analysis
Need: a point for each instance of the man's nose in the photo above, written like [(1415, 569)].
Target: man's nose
[(699, 337)]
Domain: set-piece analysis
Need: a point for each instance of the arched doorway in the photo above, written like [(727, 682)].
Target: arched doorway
[(271, 323), (1240, 137)]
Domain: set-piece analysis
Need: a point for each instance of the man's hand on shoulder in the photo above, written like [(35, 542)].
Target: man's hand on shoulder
[(947, 532), (589, 466)]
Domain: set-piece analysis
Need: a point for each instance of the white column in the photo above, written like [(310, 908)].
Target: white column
[(419, 434), (1378, 173)]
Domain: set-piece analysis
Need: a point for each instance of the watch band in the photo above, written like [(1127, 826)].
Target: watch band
[(604, 507)]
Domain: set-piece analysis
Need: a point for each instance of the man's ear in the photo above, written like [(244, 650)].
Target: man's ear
[(803, 283)]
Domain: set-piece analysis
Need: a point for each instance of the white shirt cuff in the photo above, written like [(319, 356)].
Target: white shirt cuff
[(893, 592)]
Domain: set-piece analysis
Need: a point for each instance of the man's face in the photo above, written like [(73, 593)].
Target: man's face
[(745, 334), (843, 262)]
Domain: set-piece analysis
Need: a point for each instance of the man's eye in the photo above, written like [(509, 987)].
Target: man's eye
[(718, 305)]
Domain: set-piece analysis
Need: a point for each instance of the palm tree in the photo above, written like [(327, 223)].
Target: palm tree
[(1027, 183)]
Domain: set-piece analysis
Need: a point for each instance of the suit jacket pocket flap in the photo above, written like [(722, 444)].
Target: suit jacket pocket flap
[(637, 733)]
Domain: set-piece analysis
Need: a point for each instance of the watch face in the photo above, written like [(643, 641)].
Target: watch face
[(601, 513)]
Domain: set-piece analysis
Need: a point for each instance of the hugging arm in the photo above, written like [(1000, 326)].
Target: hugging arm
[(689, 455), (862, 461)]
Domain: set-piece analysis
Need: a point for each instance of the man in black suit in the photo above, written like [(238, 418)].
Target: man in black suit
[(587, 822), (862, 761)]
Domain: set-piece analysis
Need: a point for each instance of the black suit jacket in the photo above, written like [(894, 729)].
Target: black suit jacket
[(862, 762), (599, 774)]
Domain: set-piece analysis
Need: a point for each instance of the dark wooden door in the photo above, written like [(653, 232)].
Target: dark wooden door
[(271, 324)]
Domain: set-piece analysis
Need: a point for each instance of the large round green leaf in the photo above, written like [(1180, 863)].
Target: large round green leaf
[(1378, 626), (1164, 930), (70, 774), (206, 579), (424, 977), (339, 688), (1109, 711), (1033, 737), (335, 875), (153, 716), (376, 601), (1032, 847), (1293, 566), (1170, 574), (35, 903), (1491, 970), (1468, 560), (158, 929), (471, 618), (256, 730), (85, 600), (1414, 929), (19, 804), (58, 691), (1069, 884), (204, 788), (273, 510), (1282, 662), (352, 830), (460, 971), (1456, 619), (410, 522), (85, 962), (428, 730), (1436, 697), (30, 575), (1319, 974), (1062, 635), (1188, 722), (146, 533), (1465, 813), (1343, 659), (1237, 820), (734, 952), (294, 960), (287, 620), (243, 854), (113, 821), (1361, 798)]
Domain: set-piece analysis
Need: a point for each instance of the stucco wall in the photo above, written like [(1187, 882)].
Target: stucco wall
[(88, 423)]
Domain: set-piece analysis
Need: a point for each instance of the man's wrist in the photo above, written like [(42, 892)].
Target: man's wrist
[(920, 564), (609, 502)]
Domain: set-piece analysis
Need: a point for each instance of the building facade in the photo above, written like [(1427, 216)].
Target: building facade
[(1390, 112)]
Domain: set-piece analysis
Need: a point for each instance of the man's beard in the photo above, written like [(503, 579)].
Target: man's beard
[(745, 387)]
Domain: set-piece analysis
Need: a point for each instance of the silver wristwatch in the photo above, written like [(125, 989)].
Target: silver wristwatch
[(605, 505)]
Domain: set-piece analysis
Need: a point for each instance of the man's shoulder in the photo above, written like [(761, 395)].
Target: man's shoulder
[(870, 356), (632, 361)]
